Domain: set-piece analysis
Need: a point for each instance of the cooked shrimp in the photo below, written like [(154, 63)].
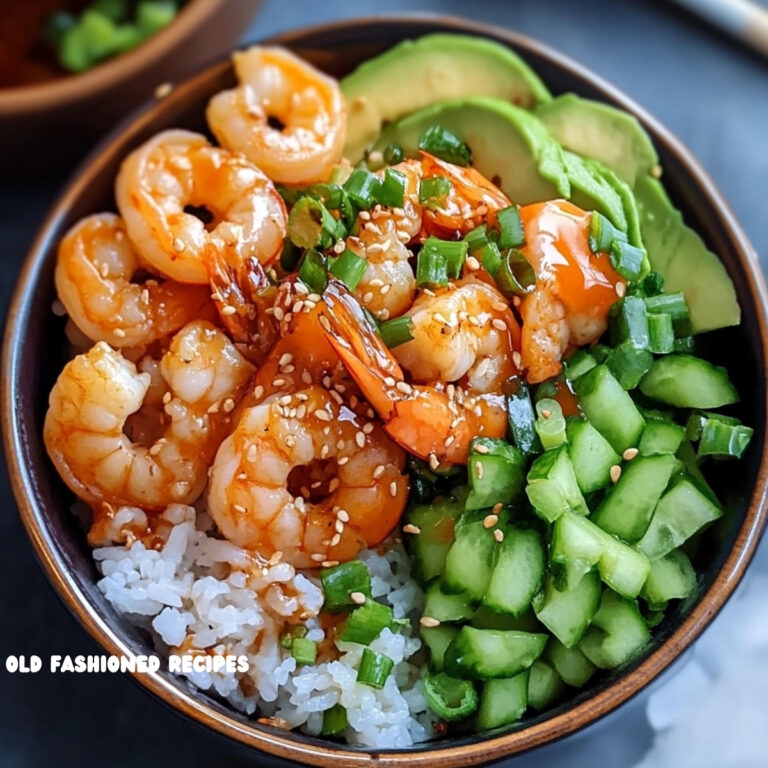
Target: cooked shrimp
[(388, 285), (436, 420), (97, 392), (94, 276), (278, 87), (574, 289), (303, 476), (176, 170)]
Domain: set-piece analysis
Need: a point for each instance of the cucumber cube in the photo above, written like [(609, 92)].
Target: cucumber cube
[(544, 685), (503, 701), (470, 560), (496, 473), (437, 639), (591, 454), (660, 437), (672, 577), (445, 606), (552, 487), (429, 548), (570, 663), (567, 614)]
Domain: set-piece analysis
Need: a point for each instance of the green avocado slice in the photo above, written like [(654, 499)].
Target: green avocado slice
[(591, 191), (417, 73), (601, 132), (509, 145), (679, 254)]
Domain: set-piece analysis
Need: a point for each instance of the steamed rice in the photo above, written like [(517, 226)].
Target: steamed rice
[(201, 592)]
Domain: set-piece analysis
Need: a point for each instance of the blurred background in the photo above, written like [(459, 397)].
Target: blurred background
[(710, 87)]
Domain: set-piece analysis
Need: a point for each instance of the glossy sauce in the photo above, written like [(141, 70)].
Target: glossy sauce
[(557, 246)]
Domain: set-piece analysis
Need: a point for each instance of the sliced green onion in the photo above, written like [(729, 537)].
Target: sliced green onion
[(720, 439), (477, 238), (330, 195), (443, 144), (391, 190), (334, 721), (290, 256), (349, 268), (627, 259), (630, 322), (374, 668), (511, 232), (341, 581), (515, 275), (362, 187), (396, 331), (393, 154), (491, 259), (652, 284), (629, 364), (449, 697), (453, 253), (578, 364), (433, 190), (365, 623), (431, 268), (661, 334), (74, 53), (602, 233), (673, 304), (522, 420), (550, 424), (305, 222), (312, 271), (303, 650), (153, 15)]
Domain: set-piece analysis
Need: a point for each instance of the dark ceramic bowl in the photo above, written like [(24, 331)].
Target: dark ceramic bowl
[(34, 354)]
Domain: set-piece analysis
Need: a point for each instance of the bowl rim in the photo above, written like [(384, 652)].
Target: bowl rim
[(49, 94), (281, 743)]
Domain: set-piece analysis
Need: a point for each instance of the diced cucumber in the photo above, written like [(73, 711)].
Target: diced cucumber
[(660, 437), (672, 577), (496, 472), (518, 573), (544, 685), (591, 455), (686, 381), (622, 567), (682, 511), (521, 417), (503, 701), (609, 408), (552, 488), (482, 654), (576, 547), (627, 508), (430, 547), (629, 364), (485, 618), (471, 558), (446, 606), (567, 614), (578, 364), (570, 663), (618, 632), (687, 454), (437, 639)]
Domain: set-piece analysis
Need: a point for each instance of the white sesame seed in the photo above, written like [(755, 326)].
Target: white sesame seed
[(342, 461), (490, 520), (480, 448), (472, 263), (325, 323), (621, 289), (499, 324), (357, 597), (343, 515), (630, 454), (278, 313), (428, 621), (321, 414), (434, 462), (316, 557), (393, 489), (330, 563), (410, 528), (479, 470), (163, 90), (615, 473), (378, 472), (120, 333), (498, 534), (178, 244), (228, 310), (339, 526)]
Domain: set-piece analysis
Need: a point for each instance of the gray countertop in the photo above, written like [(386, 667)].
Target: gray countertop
[(705, 88)]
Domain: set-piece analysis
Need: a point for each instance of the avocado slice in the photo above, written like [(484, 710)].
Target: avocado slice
[(679, 254), (592, 191), (598, 131), (417, 73), (508, 144)]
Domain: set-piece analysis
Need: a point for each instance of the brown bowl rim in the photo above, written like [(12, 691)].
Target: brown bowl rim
[(49, 94), (483, 750)]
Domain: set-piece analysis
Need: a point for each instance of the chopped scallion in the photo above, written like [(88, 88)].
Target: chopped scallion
[(661, 335), (365, 623), (441, 143), (627, 259), (306, 222), (449, 697), (491, 259), (396, 331), (303, 650), (391, 191), (602, 233), (433, 190), (720, 439), (334, 721), (312, 271), (393, 154), (515, 275), (477, 238), (349, 268), (362, 187), (341, 581), (550, 424), (578, 364), (511, 232), (673, 304), (374, 668)]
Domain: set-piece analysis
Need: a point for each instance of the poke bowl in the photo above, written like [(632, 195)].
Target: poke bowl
[(609, 506)]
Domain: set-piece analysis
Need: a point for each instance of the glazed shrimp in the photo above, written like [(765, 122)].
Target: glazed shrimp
[(276, 86), (437, 420), (178, 169), (303, 476), (388, 285), (94, 279), (574, 287), (97, 392)]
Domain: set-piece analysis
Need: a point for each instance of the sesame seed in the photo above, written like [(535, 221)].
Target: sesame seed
[(316, 557), (228, 405), (286, 359), (278, 313), (472, 263), (178, 244), (285, 399), (498, 534), (321, 414), (404, 387), (393, 489), (368, 297), (144, 296), (546, 413), (279, 383), (242, 476), (120, 333), (252, 453), (621, 289), (330, 563), (630, 454), (228, 310), (428, 621), (300, 288), (357, 597), (449, 440), (410, 528), (615, 473), (339, 526), (342, 461), (434, 462), (306, 377), (497, 507), (480, 448), (367, 428), (276, 557), (389, 381), (479, 470), (324, 451), (490, 520), (324, 322), (499, 324), (378, 472), (517, 358), (343, 515), (239, 508), (364, 216), (258, 392)]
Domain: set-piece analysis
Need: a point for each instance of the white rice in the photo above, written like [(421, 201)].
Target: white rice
[(199, 592)]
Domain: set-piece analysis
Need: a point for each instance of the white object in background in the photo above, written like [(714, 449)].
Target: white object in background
[(741, 18)]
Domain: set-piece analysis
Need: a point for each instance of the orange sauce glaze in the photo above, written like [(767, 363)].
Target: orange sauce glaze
[(557, 246)]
